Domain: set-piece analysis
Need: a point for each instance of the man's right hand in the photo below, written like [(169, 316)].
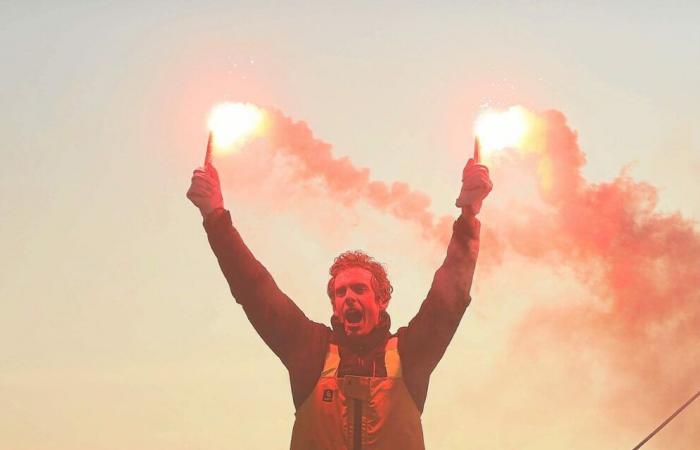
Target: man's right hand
[(476, 185), (205, 190)]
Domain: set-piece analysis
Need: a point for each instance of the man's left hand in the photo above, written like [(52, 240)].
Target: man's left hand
[(476, 185)]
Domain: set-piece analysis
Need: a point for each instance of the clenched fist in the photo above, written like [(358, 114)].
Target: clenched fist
[(476, 185), (205, 190)]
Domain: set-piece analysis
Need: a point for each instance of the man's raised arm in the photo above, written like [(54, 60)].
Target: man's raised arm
[(281, 324), (423, 342)]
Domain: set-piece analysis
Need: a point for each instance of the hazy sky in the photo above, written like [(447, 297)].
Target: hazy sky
[(117, 327)]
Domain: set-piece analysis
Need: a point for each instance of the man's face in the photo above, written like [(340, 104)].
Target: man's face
[(354, 302)]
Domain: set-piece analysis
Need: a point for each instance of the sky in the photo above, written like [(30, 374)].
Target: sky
[(118, 329)]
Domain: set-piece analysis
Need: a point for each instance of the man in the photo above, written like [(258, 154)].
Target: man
[(355, 385)]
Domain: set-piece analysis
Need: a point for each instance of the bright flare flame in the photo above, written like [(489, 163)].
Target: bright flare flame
[(501, 129), (230, 122)]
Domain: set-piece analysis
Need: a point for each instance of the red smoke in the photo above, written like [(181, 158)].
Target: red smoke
[(349, 184), (642, 264)]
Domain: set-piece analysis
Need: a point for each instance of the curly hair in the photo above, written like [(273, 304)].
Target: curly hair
[(355, 258)]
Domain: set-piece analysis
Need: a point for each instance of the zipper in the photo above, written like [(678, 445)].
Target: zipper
[(357, 425)]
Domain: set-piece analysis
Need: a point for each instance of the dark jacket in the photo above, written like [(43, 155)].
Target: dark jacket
[(301, 344)]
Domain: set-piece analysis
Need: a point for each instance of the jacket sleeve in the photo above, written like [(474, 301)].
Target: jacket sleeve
[(278, 321), (423, 342)]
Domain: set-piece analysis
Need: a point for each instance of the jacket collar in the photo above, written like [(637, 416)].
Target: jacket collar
[(375, 337)]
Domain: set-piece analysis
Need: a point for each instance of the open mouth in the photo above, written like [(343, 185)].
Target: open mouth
[(353, 316)]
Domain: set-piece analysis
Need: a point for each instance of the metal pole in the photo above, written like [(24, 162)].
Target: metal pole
[(697, 394)]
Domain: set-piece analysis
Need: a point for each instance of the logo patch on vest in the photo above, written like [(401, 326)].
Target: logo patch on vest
[(328, 395)]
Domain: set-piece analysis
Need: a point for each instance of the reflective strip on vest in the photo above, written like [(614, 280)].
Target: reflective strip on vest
[(386, 415)]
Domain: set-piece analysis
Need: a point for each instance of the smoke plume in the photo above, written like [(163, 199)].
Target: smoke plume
[(643, 267), (346, 183)]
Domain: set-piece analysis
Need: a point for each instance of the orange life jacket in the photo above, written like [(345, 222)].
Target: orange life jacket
[(359, 413)]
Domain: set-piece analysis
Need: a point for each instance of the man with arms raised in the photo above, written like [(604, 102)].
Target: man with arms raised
[(354, 385)]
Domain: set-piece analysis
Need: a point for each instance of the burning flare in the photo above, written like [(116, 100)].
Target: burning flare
[(231, 122), (501, 129)]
